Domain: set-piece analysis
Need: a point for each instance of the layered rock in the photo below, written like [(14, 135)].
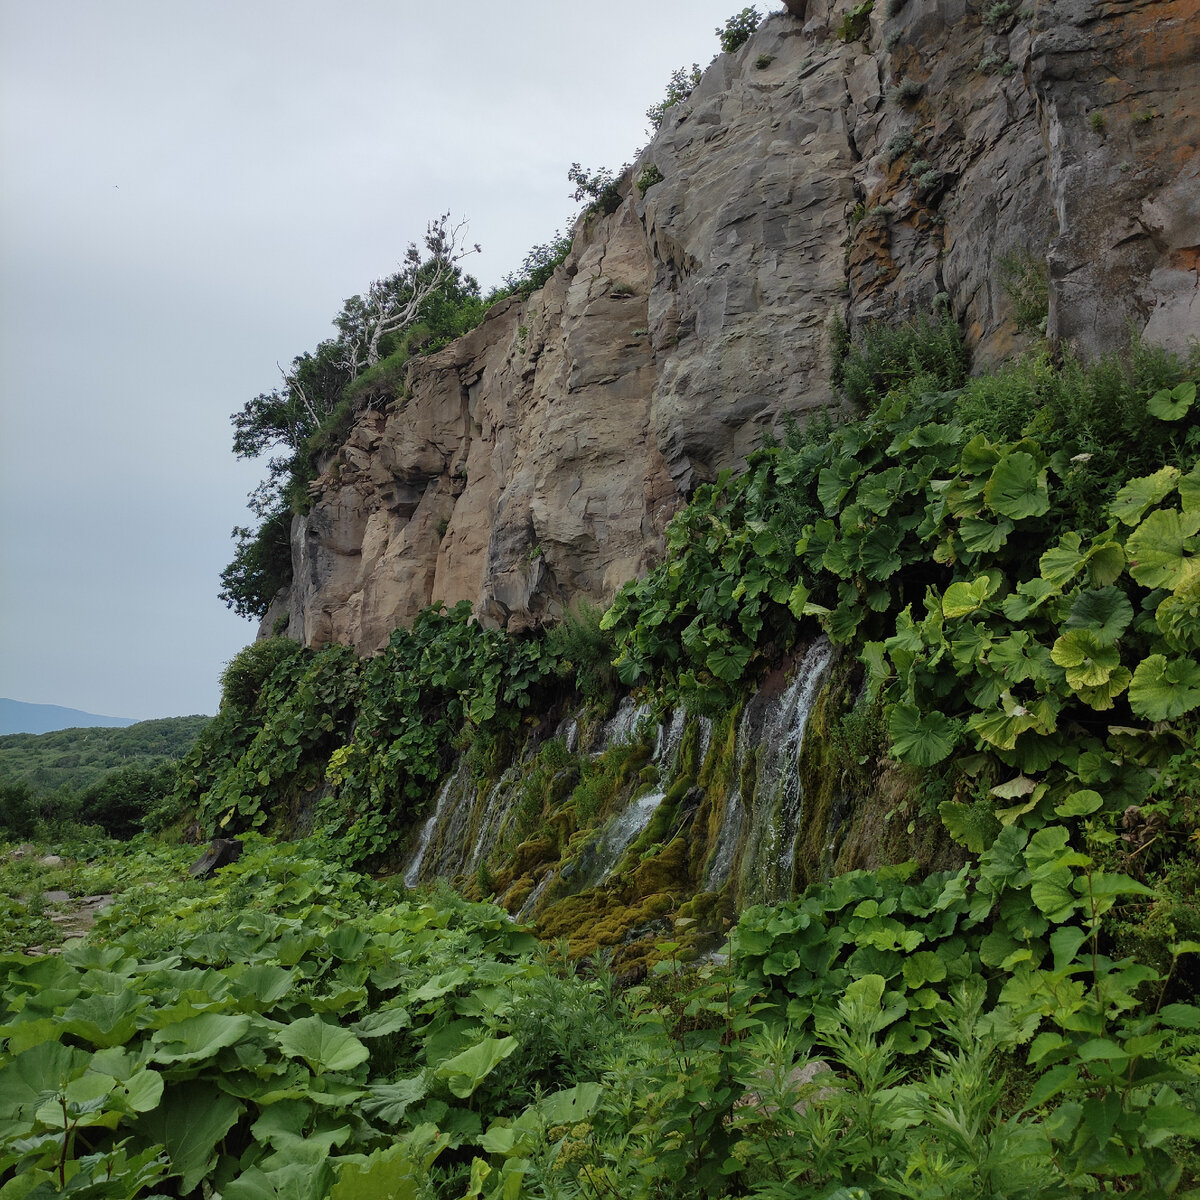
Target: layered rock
[(837, 168)]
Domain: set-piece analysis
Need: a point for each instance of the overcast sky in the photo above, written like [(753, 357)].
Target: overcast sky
[(189, 192)]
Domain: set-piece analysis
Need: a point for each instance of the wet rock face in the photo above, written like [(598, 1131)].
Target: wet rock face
[(808, 178)]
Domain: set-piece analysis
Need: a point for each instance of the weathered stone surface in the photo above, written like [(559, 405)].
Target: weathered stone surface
[(805, 180)]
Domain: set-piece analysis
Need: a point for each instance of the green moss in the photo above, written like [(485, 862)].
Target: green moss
[(821, 770)]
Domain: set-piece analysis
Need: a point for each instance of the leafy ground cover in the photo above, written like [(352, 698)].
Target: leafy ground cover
[(291, 1029), (1008, 563)]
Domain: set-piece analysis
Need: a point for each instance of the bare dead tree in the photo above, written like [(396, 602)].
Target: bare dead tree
[(394, 303)]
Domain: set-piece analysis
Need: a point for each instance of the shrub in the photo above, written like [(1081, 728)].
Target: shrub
[(648, 178), (248, 670), (679, 87), (19, 810), (737, 30), (883, 356), (1026, 284), (584, 648), (539, 264), (857, 22), (121, 801), (262, 564), (1000, 17), (898, 145), (601, 187)]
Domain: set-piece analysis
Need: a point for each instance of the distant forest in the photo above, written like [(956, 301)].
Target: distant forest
[(74, 759)]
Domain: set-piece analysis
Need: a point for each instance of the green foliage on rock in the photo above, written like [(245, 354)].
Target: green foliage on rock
[(736, 31)]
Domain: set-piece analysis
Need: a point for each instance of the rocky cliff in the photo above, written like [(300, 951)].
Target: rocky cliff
[(843, 166)]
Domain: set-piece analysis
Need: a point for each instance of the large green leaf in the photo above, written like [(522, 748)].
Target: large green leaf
[(33, 1076), (1088, 661), (984, 537), (962, 599), (295, 1181), (199, 1037), (105, 1019), (1178, 616), (323, 1046), (1163, 689), (388, 1102), (190, 1122), (1159, 549), (1172, 404), (1105, 612), (922, 739), (1132, 500), (728, 662), (466, 1071), (1017, 487)]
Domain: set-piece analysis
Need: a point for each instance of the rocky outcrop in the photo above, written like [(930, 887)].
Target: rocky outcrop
[(841, 166)]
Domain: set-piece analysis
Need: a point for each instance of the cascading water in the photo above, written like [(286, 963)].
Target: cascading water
[(766, 829), (413, 870), (440, 850), (618, 835), (721, 861), (495, 812), (622, 728)]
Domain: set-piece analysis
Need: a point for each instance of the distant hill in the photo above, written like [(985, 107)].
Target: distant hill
[(75, 758), (19, 717)]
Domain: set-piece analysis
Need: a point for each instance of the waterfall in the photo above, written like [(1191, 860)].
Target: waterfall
[(413, 870), (808, 685), (721, 860), (623, 726), (667, 742), (618, 834), (439, 849), (767, 830), (495, 813)]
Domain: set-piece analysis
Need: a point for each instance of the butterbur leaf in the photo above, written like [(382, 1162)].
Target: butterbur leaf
[(324, 1047), (1088, 662), (1189, 489), (1080, 804), (922, 739), (1163, 689), (1060, 564), (1102, 696), (1158, 549), (1178, 616), (1017, 487), (962, 599), (1015, 788), (967, 826), (1173, 404), (388, 1102), (1131, 501), (192, 1118), (1028, 598), (1106, 612), (984, 537), (466, 1071), (1105, 562), (729, 662), (571, 1105), (199, 1037)]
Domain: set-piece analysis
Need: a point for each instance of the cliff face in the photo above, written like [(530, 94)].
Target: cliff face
[(938, 152)]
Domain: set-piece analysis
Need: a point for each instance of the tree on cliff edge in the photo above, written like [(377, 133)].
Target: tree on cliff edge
[(421, 306)]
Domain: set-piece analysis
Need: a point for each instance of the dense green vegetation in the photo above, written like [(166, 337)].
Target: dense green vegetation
[(1008, 561), (110, 777), (75, 758), (291, 1029)]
